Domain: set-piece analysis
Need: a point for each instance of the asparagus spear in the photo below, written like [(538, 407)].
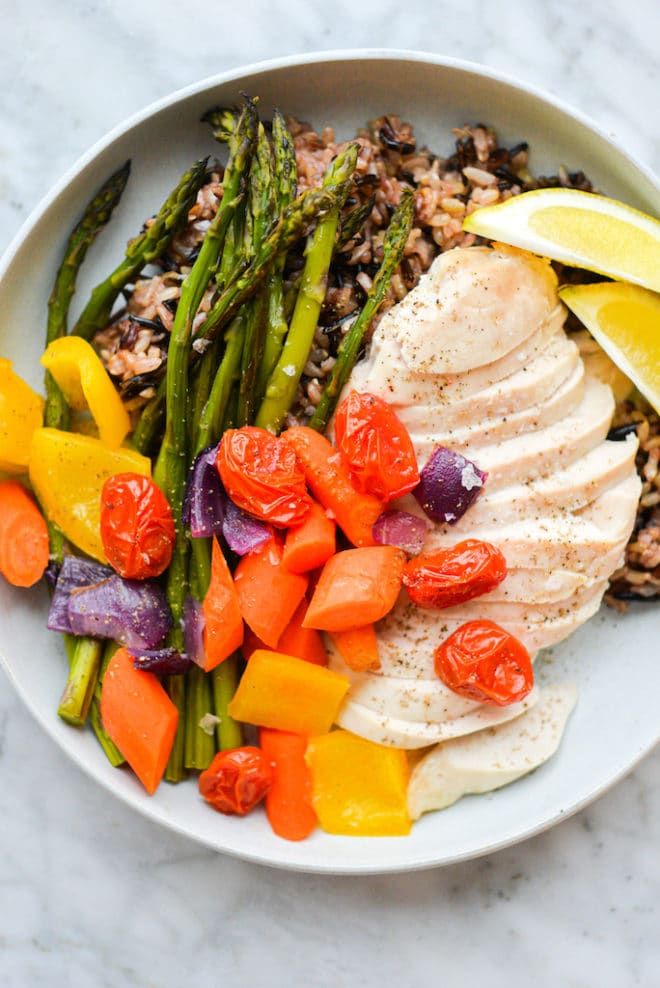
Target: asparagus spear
[(174, 458), (353, 223), (393, 247), (147, 247), (296, 217), (283, 381), (286, 180), (81, 681), (96, 215), (84, 653), (263, 214), (224, 122)]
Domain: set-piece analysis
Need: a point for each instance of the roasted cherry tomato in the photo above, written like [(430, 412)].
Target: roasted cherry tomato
[(376, 446), (137, 527), (236, 780), (261, 474), (485, 663), (452, 576)]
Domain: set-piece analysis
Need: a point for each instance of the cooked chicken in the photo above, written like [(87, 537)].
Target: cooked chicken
[(476, 359)]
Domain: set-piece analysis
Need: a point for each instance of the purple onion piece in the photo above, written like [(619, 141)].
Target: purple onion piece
[(448, 485), (74, 573), (204, 499), (132, 612), (193, 627), (163, 661), (242, 531), (402, 529)]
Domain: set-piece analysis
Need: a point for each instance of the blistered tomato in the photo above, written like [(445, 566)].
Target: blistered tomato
[(236, 780), (376, 446), (137, 527), (261, 474), (452, 576), (483, 662)]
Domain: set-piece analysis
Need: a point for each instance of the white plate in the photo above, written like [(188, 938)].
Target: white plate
[(613, 659)]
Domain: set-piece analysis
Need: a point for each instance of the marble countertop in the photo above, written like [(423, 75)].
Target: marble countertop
[(93, 893)]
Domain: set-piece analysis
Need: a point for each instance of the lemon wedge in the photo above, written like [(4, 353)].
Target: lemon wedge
[(625, 320), (578, 228)]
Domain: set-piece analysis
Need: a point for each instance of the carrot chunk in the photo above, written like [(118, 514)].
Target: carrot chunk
[(329, 480), (268, 594), (303, 643), (140, 718), (223, 621), (358, 647), (289, 799), (310, 544), (356, 587), (23, 536)]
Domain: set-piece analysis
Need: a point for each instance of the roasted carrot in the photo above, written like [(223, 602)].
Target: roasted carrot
[(356, 587), (330, 482), (303, 643), (268, 594), (289, 799), (139, 716), (23, 536), (223, 621), (310, 544), (358, 647)]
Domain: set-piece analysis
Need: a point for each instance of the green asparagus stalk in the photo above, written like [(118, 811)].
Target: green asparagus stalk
[(296, 217), (84, 653), (228, 374), (83, 673), (150, 423), (224, 121), (199, 746), (225, 680), (95, 217), (393, 247), (147, 247), (283, 381), (286, 180), (174, 458), (112, 752), (353, 223), (263, 214), (175, 769)]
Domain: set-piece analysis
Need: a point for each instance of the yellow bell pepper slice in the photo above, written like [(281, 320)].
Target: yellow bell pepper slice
[(358, 788), (21, 412), (67, 472), (287, 693), (86, 384)]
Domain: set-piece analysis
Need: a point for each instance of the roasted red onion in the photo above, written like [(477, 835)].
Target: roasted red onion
[(448, 485), (74, 573), (193, 627), (402, 529), (203, 508), (132, 612), (242, 531), (163, 661)]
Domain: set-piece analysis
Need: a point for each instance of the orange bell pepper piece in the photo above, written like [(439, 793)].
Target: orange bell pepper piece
[(359, 788), (287, 693)]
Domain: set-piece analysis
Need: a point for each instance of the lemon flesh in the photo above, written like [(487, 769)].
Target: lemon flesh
[(578, 228), (625, 320)]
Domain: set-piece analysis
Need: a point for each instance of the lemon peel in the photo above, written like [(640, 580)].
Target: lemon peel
[(625, 321)]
